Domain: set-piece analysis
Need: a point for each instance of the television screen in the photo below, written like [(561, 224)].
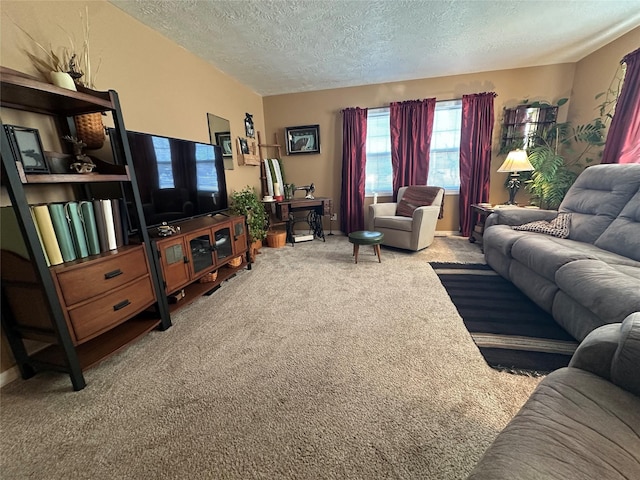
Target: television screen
[(177, 179)]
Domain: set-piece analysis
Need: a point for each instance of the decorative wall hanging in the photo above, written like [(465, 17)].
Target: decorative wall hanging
[(304, 139), (248, 125)]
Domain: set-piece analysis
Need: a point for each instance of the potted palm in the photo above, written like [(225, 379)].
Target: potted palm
[(246, 202)]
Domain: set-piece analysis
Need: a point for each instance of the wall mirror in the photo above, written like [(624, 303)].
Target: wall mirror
[(220, 134)]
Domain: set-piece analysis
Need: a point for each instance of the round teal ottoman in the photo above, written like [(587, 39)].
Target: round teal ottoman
[(365, 237)]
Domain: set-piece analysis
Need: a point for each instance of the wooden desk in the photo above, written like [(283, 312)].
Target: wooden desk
[(479, 214), (317, 208)]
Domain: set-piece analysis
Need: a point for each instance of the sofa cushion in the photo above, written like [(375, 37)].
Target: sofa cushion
[(611, 292), (623, 235), (393, 222), (575, 425), (597, 197), (558, 227), (544, 254)]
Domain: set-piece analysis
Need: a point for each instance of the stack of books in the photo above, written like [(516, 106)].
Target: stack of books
[(73, 230)]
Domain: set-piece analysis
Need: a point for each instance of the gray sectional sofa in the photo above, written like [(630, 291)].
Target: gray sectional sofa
[(581, 422), (592, 277)]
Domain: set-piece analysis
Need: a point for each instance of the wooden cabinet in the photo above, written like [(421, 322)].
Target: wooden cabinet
[(240, 239), (98, 295), (174, 262), (204, 245), (87, 309)]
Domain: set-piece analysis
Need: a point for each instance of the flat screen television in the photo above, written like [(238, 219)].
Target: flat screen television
[(177, 179)]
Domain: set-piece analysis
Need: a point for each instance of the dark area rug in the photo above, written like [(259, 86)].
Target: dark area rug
[(511, 331)]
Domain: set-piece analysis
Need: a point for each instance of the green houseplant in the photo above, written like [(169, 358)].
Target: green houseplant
[(559, 157), (246, 202), (564, 150)]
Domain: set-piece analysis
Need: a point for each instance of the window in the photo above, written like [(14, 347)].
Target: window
[(162, 150), (379, 177), (444, 156)]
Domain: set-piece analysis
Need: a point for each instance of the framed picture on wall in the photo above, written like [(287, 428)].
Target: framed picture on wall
[(27, 148), (223, 140), (244, 146), (304, 139)]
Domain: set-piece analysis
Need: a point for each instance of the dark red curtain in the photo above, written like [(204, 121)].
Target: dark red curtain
[(411, 124), (623, 139), (475, 154), (354, 157)]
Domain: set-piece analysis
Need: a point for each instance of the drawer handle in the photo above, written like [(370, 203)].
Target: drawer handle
[(121, 305), (112, 274)]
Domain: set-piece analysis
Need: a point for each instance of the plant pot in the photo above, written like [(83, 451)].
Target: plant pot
[(63, 79), (254, 249)]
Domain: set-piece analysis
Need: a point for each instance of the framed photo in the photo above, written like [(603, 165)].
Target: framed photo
[(244, 145), (223, 140), (248, 125), (305, 139), (27, 147)]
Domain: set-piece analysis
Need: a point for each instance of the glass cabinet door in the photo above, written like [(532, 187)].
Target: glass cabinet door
[(201, 253), (239, 237), (223, 246)]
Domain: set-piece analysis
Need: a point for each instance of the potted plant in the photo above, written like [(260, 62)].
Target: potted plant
[(246, 202)]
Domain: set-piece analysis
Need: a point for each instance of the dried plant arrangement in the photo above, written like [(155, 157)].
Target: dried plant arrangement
[(68, 59)]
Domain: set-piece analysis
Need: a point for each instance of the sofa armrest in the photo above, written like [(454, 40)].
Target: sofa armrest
[(613, 352), (624, 367), (518, 216), (595, 353)]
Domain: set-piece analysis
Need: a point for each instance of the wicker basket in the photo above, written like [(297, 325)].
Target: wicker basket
[(276, 238), (90, 130), (209, 277), (236, 262)]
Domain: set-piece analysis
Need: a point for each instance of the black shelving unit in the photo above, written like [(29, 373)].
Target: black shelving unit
[(25, 93)]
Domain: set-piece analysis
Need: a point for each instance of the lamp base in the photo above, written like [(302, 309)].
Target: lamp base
[(513, 185)]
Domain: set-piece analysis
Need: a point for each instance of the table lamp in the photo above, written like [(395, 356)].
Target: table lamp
[(517, 161)]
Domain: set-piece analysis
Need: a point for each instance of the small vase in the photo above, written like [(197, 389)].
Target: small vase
[(64, 80)]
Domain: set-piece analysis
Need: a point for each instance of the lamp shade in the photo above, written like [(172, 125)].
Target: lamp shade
[(516, 161)]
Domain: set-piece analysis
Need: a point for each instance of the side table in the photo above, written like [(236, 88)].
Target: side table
[(479, 214)]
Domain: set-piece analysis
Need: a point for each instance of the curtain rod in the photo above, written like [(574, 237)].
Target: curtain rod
[(387, 106)]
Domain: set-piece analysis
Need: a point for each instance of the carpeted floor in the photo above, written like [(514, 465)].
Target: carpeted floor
[(511, 331), (306, 367)]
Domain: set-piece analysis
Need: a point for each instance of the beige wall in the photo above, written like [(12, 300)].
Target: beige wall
[(323, 108), (594, 74), (163, 89)]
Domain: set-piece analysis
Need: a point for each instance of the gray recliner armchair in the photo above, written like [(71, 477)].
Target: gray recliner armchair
[(409, 223)]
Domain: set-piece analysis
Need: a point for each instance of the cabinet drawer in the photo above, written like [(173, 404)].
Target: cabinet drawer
[(94, 278), (112, 309)]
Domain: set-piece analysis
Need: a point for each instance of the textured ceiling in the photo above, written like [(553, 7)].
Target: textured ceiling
[(287, 46)]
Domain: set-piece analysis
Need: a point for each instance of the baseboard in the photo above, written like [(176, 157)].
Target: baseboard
[(447, 233), (9, 376)]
